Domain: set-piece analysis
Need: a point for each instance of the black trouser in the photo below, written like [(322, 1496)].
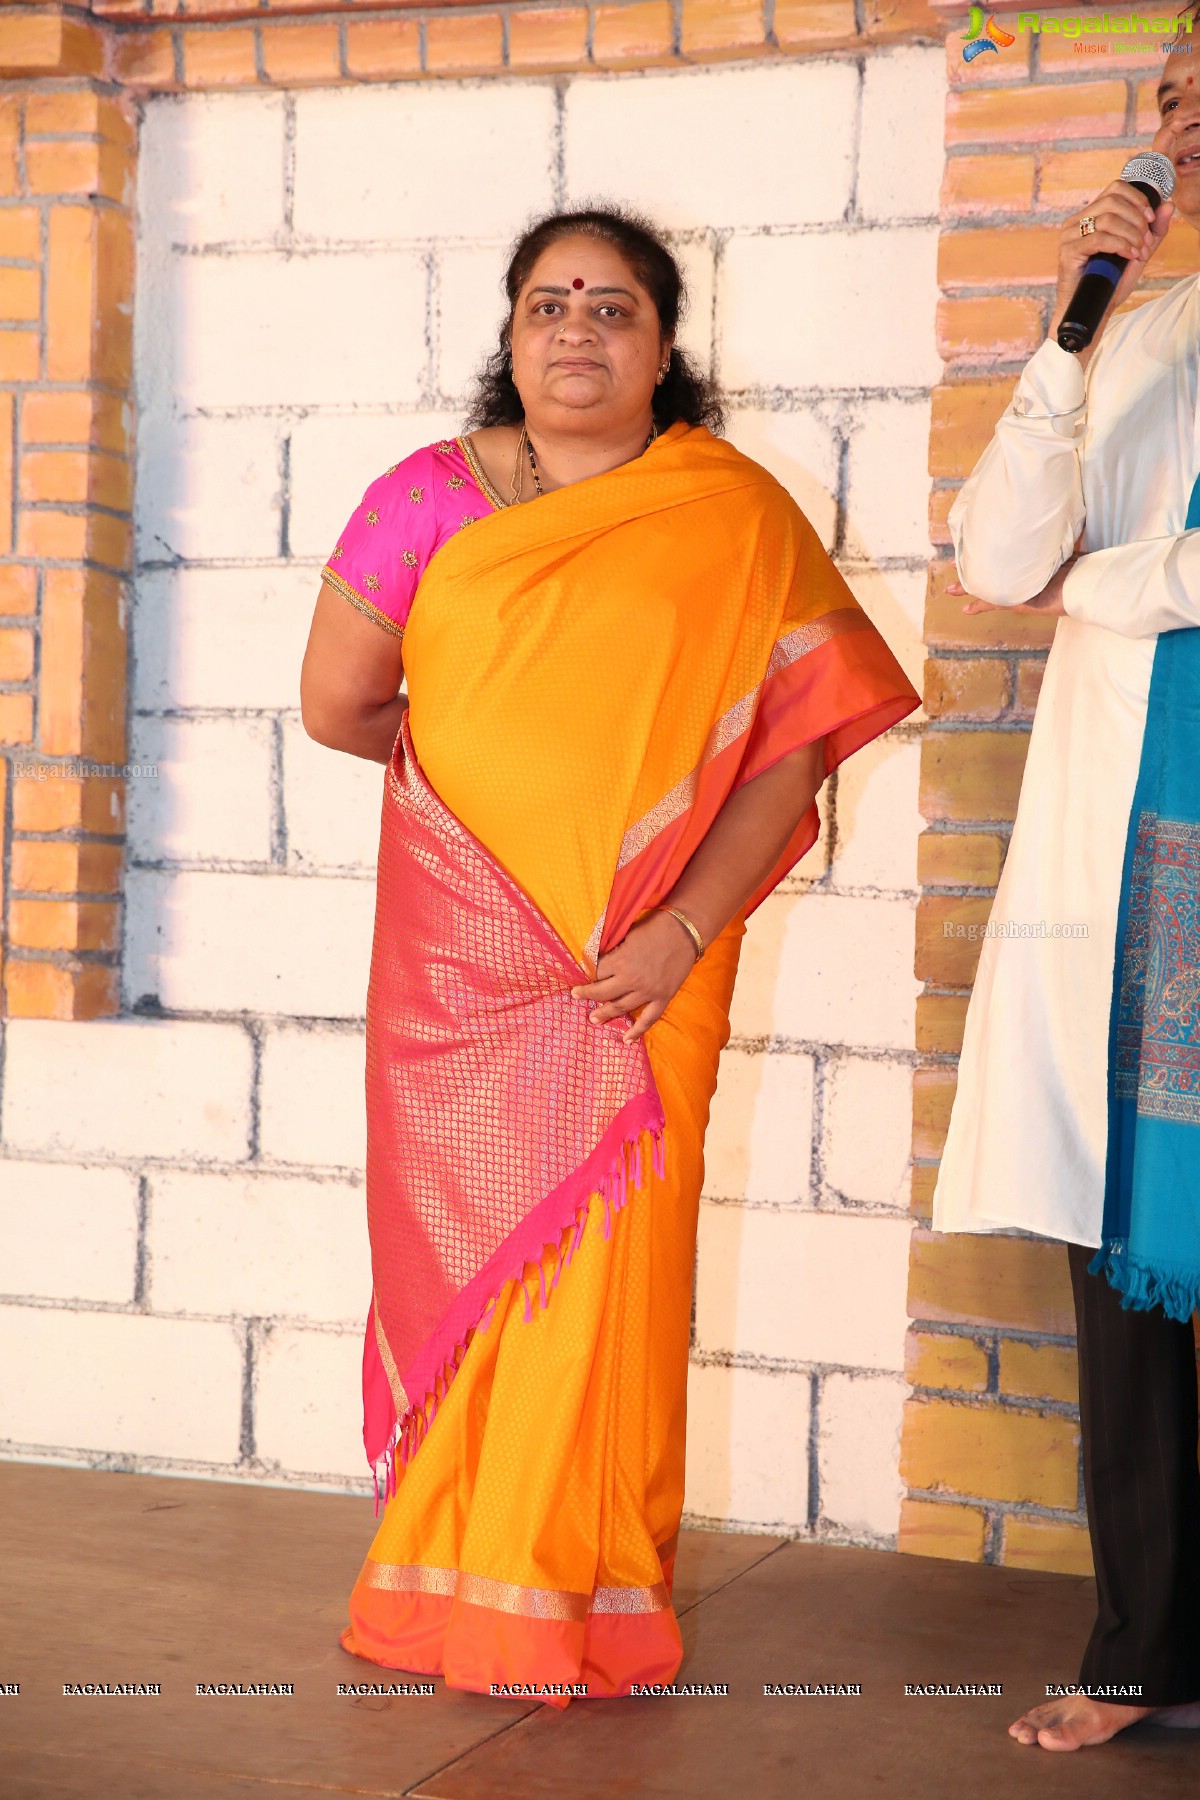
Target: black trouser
[(1137, 1407)]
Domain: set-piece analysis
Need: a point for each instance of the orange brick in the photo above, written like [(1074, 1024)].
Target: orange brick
[(381, 48), (48, 43), (1036, 115), (79, 476), (18, 588), (85, 417), (296, 54), (110, 542), (1039, 1371), (10, 140), (990, 1452), (116, 255), (41, 990), (948, 627), (16, 654), (933, 1096), (1029, 683), (922, 1183), (974, 186), (547, 40), (966, 687), (940, 1022), (892, 21), (78, 112), (989, 329), (950, 937), (218, 56), (7, 405), (93, 803), (969, 775), (815, 24), (963, 419), (55, 536), (79, 166), (1019, 1284), (144, 59), (959, 859), (939, 1528), (20, 355), (939, 1359), (713, 28), (941, 499), (64, 924), (40, 866), (83, 665), (20, 233), (467, 46), (630, 36), (20, 293), (1070, 178), (1033, 1543), (71, 293), (16, 718), (998, 256)]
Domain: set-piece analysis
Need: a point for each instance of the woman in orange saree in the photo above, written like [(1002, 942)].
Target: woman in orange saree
[(623, 699)]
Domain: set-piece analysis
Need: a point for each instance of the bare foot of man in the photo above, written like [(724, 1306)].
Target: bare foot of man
[(1076, 1722)]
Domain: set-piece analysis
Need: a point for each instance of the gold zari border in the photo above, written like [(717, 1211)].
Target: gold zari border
[(506, 1596), (335, 581)]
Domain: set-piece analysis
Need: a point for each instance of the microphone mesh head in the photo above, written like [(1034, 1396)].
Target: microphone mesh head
[(1155, 170)]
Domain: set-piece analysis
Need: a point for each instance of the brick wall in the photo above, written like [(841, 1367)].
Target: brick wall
[(209, 1281), (991, 1454)]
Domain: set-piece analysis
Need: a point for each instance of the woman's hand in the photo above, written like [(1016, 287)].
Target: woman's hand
[(645, 970), (1049, 602)]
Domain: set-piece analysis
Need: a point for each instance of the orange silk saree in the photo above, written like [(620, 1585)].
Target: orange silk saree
[(590, 677)]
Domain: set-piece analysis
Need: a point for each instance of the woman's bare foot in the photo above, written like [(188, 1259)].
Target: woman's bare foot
[(1075, 1722)]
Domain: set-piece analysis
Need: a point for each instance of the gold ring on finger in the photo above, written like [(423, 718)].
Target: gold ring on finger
[(1087, 225)]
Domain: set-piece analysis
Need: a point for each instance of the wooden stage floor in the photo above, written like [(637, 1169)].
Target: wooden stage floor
[(128, 1578)]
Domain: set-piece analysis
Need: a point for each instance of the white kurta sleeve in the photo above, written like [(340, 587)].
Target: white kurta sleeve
[(1018, 518), (1138, 589)]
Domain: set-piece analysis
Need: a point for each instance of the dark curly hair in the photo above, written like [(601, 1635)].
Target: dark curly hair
[(685, 394)]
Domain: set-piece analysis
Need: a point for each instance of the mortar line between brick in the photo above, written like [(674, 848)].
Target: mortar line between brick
[(141, 1268), (246, 1446), (289, 166), (814, 1461)]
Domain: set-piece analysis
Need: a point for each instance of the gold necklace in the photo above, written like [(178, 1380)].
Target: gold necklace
[(524, 442)]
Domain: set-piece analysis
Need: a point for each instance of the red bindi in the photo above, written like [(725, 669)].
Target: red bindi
[(578, 282)]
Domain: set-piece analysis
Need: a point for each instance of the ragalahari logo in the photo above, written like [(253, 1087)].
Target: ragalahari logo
[(993, 37)]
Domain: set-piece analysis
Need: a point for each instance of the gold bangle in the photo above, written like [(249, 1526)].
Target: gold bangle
[(697, 940)]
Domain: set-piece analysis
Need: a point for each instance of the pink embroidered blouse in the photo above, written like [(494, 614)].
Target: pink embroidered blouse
[(403, 519)]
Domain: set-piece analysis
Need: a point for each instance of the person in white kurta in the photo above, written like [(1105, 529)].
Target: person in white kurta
[(1077, 509)]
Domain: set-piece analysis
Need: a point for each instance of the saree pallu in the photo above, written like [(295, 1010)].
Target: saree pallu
[(590, 677)]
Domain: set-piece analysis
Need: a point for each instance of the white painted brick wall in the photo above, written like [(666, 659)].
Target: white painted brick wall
[(802, 1286), (308, 1403), (124, 1383), (747, 1459), (313, 1102), (211, 799), (858, 1450), (68, 1231), (332, 803), (768, 147), (136, 1087), (274, 1245), (204, 941), (314, 293)]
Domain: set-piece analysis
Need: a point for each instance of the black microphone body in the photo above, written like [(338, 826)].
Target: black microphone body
[(1152, 175)]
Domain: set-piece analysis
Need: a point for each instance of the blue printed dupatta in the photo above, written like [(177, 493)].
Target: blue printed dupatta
[(1150, 1250)]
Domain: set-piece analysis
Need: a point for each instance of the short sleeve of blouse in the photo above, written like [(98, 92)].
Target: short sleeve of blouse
[(391, 535)]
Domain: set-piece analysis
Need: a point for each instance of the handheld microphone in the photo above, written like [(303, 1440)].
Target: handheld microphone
[(1152, 175)]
